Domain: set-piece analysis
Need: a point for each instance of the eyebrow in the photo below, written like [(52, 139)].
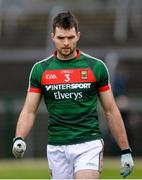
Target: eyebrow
[(62, 36)]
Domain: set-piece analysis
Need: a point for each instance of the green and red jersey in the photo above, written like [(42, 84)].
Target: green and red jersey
[(70, 89)]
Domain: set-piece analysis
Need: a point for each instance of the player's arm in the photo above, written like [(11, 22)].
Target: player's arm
[(25, 123), (114, 118), (27, 115), (117, 129)]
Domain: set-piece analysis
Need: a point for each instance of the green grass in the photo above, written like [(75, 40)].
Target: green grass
[(111, 169), (24, 169), (38, 169)]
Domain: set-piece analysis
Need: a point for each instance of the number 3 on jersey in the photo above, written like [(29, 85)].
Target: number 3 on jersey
[(67, 77)]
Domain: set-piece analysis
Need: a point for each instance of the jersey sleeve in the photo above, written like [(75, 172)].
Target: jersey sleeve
[(34, 80), (103, 80)]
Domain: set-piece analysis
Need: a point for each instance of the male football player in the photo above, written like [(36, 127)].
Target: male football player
[(71, 82)]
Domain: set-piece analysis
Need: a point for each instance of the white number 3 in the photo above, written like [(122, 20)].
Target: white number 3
[(67, 77)]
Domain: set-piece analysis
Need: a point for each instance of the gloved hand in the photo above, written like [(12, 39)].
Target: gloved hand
[(127, 163), (19, 147)]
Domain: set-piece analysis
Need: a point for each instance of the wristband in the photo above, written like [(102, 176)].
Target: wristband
[(126, 151), (16, 138)]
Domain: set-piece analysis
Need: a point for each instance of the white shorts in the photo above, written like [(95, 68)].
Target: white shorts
[(65, 160)]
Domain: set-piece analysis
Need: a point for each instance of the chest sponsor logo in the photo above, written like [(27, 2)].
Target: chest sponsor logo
[(68, 86), (60, 94), (72, 95)]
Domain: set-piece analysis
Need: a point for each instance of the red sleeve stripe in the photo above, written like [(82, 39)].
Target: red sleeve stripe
[(34, 90), (104, 88)]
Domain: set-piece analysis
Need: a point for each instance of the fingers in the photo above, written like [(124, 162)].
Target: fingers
[(126, 170)]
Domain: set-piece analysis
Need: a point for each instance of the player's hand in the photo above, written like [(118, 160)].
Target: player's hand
[(19, 147), (127, 163)]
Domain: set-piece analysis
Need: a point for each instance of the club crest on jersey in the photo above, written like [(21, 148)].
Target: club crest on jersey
[(84, 74)]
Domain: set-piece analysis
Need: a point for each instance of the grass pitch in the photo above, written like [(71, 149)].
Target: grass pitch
[(38, 169)]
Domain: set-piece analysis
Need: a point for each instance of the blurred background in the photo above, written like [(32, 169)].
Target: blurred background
[(111, 30)]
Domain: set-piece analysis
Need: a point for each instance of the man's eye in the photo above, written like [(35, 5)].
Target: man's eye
[(60, 38), (71, 37)]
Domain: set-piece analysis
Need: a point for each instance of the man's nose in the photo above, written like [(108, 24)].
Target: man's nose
[(66, 42)]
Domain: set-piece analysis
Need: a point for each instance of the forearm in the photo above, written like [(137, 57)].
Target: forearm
[(118, 131), (117, 127), (25, 123)]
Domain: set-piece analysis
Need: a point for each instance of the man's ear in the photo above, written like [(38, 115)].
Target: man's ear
[(78, 35), (52, 35)]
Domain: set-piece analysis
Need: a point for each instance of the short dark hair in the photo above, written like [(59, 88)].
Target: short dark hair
[(65, 20)]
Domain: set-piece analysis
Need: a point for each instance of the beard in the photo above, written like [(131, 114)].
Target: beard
[(65, 52)]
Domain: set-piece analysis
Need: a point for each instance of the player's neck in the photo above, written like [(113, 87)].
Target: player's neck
[(68, 57)]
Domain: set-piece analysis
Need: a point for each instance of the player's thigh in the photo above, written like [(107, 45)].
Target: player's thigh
[(58, 164), (87, 174), (89, 159)]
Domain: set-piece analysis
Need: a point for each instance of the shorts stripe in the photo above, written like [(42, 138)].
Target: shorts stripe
[(101, 156)]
